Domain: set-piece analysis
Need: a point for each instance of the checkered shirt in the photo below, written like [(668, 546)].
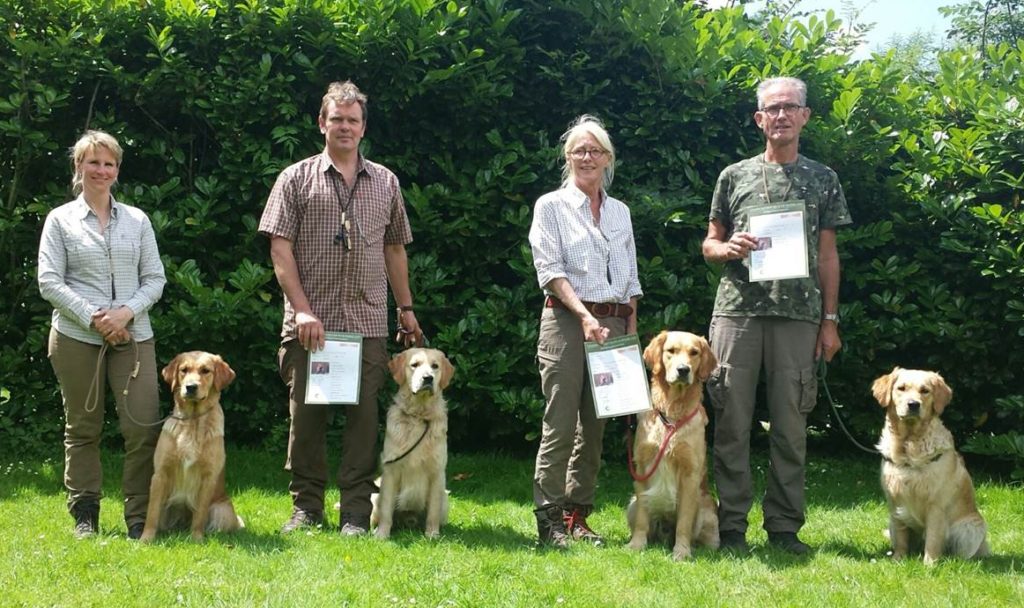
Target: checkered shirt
[(598, 261), (82, 270), (347, 290)]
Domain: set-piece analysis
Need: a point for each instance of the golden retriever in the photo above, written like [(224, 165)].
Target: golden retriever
[(674, 499), (927, 487), (415, 454), (187, 489)]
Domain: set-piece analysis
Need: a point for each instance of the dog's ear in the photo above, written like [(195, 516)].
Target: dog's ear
[(223, 375), (170, 373), (652, 354), (708, 361), (942, 393), (447, 371), (397, 366), (882, 387)]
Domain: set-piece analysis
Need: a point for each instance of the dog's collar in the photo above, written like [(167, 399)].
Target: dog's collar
[(678, 424), (893, 462)]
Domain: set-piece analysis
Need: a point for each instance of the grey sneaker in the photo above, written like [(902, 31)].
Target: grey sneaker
[(354, 525), (302, 519)]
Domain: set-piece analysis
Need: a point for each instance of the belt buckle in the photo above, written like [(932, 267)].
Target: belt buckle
[(602, 309)]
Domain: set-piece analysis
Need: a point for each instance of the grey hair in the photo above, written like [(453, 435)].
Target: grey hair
[(89, 141), (343, 93), (587, 125), (788, 81)]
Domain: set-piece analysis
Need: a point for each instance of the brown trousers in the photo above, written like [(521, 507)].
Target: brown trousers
[(569, 456), (75, 364), (307, 437)]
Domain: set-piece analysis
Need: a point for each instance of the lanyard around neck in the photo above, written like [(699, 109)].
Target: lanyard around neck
[(764, 183)]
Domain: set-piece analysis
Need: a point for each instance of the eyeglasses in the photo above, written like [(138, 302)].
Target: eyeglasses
[(786, 108), (595, 153)]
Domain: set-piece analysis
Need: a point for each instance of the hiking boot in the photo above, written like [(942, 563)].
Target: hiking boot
[(575, 519), (551, 527), (135, 530), (87, 518), (733, 542), (788, 542), (302, 519), (354, 525)]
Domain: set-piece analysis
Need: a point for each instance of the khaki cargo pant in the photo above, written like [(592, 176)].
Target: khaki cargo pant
[(785, 349)]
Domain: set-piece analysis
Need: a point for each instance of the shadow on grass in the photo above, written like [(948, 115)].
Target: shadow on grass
[(472, 536), (245, 540)]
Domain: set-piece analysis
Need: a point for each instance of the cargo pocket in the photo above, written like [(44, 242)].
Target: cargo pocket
[(808, 391), (718, 386)]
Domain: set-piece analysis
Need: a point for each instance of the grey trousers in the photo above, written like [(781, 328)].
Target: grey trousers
[(74, 363), (307, 437), (569, 456), (785, 349)]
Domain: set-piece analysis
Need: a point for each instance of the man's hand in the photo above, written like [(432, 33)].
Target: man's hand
[(310, 331), (592, 330), (828, 341), (739, 245), (409, 332)]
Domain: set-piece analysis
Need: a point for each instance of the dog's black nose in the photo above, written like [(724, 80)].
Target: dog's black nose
[(191, 389), (428, 380), (683, 371), (914, 408)]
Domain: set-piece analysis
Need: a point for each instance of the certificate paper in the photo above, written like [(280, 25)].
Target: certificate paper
[(618, 379), (334, 372), (781, 251)]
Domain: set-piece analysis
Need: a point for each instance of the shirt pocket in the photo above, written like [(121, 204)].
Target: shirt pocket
[(373, 221)]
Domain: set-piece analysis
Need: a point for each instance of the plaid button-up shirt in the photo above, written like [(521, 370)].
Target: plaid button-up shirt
[(599, 261), (346, 288), (82, 270)]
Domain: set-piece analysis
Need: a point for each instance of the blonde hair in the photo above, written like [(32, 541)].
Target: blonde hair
[(582, 126), (343, 93), (87, 143)]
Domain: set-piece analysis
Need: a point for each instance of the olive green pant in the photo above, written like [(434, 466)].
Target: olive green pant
[(75, 364), (569, 456), (785, 350)]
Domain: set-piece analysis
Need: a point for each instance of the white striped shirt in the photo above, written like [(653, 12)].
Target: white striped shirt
[(82, 270), (599, 261)]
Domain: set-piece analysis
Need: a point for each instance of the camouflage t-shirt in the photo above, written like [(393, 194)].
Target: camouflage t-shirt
[(740, 187)]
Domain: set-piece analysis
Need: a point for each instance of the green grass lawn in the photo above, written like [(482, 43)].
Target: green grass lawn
[(486, 556)]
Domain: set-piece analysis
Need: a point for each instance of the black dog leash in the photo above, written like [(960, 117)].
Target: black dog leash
[(822, 375), (426, 427)]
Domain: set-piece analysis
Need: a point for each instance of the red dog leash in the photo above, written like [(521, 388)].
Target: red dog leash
[(672, 428)]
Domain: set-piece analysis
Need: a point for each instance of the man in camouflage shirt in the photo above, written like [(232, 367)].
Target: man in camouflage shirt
[(782, 325)]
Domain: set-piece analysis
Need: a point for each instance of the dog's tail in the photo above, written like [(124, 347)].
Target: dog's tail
[(966, 538)]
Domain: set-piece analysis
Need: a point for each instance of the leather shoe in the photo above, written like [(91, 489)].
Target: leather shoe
[(788, 542)]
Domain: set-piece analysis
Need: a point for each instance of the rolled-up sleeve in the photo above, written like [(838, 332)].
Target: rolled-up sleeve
[(151, 271), (545, 242), (52, 269)]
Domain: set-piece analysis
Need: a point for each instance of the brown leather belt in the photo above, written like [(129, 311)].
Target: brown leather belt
[(600, 310)]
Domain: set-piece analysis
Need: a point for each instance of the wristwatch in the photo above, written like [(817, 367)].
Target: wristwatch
[(831, 316)]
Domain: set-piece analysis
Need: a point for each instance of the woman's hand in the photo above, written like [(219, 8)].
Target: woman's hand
[(112, 323)]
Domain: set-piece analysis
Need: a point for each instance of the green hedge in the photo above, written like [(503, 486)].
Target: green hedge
[(467, 100)]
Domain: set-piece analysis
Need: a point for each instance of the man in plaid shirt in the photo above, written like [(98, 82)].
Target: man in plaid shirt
[(338, 229)]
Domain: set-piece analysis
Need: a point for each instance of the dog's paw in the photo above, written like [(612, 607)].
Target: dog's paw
[(681, 554), (147, 537), (198, 537), (432, 534), (637, 544), (382, 533)]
